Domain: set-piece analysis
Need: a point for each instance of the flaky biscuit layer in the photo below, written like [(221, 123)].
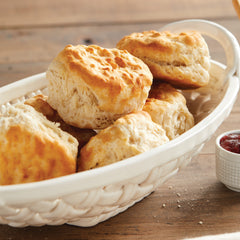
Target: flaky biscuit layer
[(130, 135)]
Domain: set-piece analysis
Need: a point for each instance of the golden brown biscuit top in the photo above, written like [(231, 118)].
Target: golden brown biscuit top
[(108, 72), (166, 48), (163, 40)]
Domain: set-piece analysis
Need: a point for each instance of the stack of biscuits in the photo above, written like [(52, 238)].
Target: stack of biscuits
[(103, 106)]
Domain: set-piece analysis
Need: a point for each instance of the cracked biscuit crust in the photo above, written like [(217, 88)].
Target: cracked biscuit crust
[(181, 59), (91, 86)]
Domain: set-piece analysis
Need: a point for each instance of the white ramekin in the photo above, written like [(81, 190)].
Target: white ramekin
[(228, 165)]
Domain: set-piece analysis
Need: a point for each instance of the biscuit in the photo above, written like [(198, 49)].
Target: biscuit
[(180, 59), (130, 135), (167, 107), (33, 148), (40, 104), (90, 86)]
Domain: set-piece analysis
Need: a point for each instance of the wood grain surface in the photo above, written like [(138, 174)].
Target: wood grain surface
[(192, 203)]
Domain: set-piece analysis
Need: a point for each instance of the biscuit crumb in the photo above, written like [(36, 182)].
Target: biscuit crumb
[(179, 206), (178, 194), (164, 205), (200, 222)]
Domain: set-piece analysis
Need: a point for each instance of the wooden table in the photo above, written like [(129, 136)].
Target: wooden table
[(192, 203)]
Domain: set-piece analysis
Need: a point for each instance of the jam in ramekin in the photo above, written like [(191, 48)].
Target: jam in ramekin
[(231, 142)]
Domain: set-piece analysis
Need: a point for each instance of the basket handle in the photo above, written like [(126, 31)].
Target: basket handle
[(217, 32)]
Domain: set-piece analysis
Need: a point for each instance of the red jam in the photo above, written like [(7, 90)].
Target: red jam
[(231, 142)]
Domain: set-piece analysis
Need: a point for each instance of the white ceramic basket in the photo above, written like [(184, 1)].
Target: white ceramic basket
[(87, 198)]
